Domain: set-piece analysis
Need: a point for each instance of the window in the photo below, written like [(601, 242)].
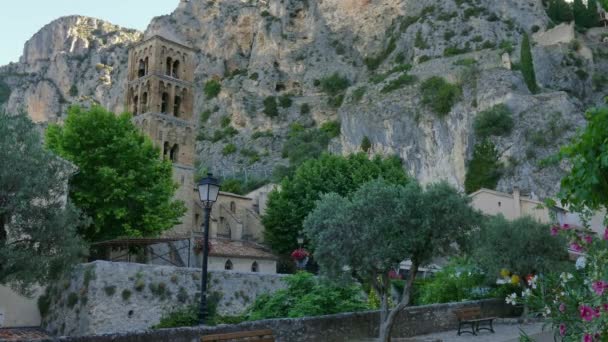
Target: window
[(164, 102), (233, 207), (176, 69), (174, 153), (141, 72), (144, 102), (255, 267), (228, 266), (135, 102), (168, 66), (176, 105), (499, 204), (165, 149)]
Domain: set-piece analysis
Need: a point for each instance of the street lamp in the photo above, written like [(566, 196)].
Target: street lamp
[(208, 190), (300, 240)]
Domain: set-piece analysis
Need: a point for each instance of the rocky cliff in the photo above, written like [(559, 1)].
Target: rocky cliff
[(281, 51)]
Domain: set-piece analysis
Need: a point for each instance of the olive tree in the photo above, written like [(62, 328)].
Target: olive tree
[(382, 224)]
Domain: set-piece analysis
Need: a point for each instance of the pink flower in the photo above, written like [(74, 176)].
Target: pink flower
[(588, 239), (587, 338), (566, 226), (562, 307), (576, 247), (606, 234), (587, 313), (605, 307), (599, 287), (562, 329), (554, 230)]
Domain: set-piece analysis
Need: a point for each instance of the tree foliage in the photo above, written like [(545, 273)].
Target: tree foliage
[(122, 184), (307, 296), (485, 169), (559, 11), (212, 89), (439, 95), (586, 186), (527, 64), (292, 202), (38, 237), (380, 225), (493, 121), (523, 246)]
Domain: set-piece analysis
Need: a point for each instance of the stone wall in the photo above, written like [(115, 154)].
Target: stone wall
[(105, 297), (333, 328)]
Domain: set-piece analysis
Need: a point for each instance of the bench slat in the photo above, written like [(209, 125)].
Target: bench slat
[(241, 334)]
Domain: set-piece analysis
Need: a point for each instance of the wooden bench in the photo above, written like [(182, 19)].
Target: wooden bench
[(472, 317), (257, 336)]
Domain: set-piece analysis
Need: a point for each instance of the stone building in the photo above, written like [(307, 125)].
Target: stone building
[(160, 96), (511, 206)]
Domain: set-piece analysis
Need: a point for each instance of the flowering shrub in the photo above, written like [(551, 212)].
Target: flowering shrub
[(575, 303), (299, 254)]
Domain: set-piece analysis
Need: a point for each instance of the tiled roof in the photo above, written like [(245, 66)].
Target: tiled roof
[(22, 334), (239, 249)]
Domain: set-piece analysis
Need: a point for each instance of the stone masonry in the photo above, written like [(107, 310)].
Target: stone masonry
[(104, 297)]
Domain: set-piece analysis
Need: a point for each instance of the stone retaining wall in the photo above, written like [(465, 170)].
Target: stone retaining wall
[(334, 328), (108, 297)]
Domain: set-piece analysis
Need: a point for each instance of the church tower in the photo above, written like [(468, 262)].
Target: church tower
[(160, 96)]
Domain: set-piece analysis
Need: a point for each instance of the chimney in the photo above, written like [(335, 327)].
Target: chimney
[(517, 201)]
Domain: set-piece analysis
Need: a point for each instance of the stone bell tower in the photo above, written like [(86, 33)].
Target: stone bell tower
[(160, 96)]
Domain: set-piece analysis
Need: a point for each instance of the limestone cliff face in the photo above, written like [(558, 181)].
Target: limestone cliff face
[(262, 48), (71, 60)]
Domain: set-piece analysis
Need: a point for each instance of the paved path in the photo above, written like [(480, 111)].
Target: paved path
[(504, 333)]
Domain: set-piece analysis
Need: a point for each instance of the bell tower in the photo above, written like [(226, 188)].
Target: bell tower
[(160, 96)]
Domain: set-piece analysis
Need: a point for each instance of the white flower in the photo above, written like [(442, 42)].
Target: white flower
[(458, 274), (547, 311), (580, 263), (526, 293), (532, 282), (566, 276), (503, 281), (511, 299)]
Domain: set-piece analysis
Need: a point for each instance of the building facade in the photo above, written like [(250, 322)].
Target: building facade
[(511, 206), (160, 95)]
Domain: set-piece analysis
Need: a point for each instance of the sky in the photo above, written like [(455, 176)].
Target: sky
[(20, 19)]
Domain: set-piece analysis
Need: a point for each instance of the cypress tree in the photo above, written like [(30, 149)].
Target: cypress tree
[(592, 19), (580, 13), (527, 64)]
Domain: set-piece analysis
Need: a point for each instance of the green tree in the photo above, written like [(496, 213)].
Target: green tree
[(212, 89), (292, 202), (560, 11), (523, 246), (38, 239), (586, 186), (592, 18), (381, 225), (439, 95), (579, 10), (527, 64), (307, 296), (484, 170), (493, 121), (122, 184)]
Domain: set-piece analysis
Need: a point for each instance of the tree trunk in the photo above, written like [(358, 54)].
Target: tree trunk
[(386, 324), (3, 233)]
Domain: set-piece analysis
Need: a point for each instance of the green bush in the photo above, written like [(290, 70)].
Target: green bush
[(332, 128), (126, 294), (110, 290), (366, 144), (285, 101), (307, 296), (458, 281), (335, 101), (305, 109), (334, 84), (493, 121), (398, 82), (374, 62), (5, 92), (225, 122), (527, 65), (205, 116), (44, 303), (439, 95), (254, 76), (262, 134), (72, 299), (484, 169), (212, 88), (270, 106), (454, 50), (185, 317), (229, 149), (240, 186), (359, 93), (420, 42), (73, 90)]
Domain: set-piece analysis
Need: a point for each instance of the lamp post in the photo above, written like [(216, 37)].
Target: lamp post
[(300, 255), (208, 190)]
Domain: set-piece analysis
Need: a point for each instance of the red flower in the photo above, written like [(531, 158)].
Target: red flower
[(576, 247), (606, 234), (587, 313), (394, 275), (588, 239), (599, 287), (299, 254), (554, 230)]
